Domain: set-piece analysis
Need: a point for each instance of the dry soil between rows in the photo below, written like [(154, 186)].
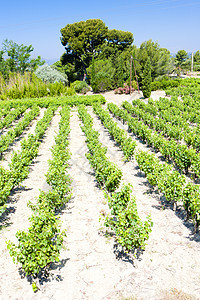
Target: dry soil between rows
[(89, 268)]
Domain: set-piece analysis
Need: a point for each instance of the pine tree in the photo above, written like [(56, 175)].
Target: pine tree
[(146, 82)]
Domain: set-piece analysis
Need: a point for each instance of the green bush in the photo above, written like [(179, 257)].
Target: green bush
[(146, 82), (164, 84), (101, 83), (80, 86), (133, 83)]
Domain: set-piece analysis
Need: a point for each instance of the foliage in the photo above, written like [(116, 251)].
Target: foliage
[(80, 86), (108, 175), (131, 233), (83, 39), (119, 135), (41, 245), (100, 65), (28, 85), (119, 39), (16, 58), (48, 74), (161, 61), (101, 75), (171, 183), (91, 38), (197, 61), (10, 136), (101, 83), (182, 61), (166, 83), (92, 77), (19, 166), (69, 66), (146, 82), (181, 57)]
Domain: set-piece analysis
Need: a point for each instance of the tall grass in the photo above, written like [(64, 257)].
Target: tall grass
[(27, 85)]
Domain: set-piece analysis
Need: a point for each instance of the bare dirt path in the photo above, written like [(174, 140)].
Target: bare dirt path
[(11, 284), (110, 96), (171, 259)]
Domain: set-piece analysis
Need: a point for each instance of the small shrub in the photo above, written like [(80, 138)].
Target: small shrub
[(48, 74), (101, 83), (125, 90), (80, 86), (133, 83)]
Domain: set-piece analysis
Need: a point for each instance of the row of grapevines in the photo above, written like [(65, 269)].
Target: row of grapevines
[(107, 173), (130, 232), (158, 124), (11, 116), (41, 245), (176, 128), (59, 100), (192, 90), (171, 184), (10, 136), (181, 155), (120, 136), (4, 110), (19, 166)]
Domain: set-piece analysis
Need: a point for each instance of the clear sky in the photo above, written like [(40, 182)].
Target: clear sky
[(174, 24)]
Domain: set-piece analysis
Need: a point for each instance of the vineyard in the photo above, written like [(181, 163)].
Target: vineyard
[(100, 199)]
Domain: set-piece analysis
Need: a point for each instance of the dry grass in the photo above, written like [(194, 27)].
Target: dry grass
[(175, 294)]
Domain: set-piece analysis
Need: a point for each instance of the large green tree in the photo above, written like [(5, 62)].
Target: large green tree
[(85, 39), (182, 61), (197, 61), (17, 58), (119, 39), (160, 58), (181, 57), (197, 57)]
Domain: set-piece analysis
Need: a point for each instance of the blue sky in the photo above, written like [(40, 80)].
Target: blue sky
[(174, 24)]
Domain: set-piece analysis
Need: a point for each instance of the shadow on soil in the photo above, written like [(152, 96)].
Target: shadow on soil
[(5, 216), (5, 219), (164, 204), (127, 257), (48, 273)]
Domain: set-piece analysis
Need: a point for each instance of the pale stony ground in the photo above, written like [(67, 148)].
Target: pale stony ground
[(89, 268)]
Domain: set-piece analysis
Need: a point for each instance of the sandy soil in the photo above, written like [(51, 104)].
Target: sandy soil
[(89, 267)]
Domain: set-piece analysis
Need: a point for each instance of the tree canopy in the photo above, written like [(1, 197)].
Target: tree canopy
[(160, 58), (85, 39), (17, 58), (181, 57)]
